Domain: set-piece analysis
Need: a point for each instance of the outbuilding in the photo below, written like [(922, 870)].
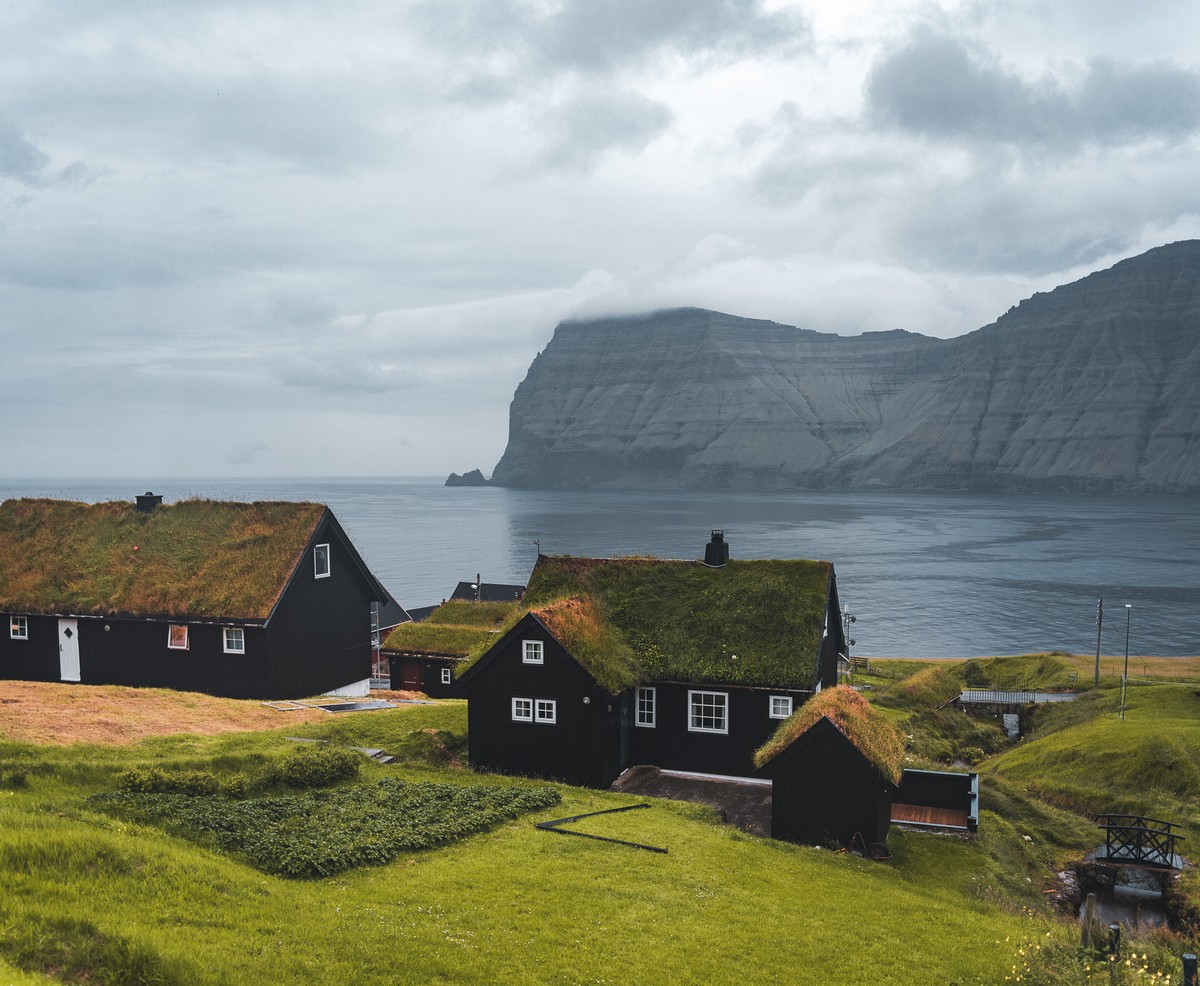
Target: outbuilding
[(266, 600)]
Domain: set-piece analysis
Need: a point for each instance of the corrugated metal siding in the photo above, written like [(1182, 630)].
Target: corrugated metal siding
[(35, 659)]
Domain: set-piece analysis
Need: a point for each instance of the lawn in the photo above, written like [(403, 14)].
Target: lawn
[(129, 902)]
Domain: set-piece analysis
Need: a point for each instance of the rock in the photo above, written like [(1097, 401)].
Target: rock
[(472, 478), (1087, 388)]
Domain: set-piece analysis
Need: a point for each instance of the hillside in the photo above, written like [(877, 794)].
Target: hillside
[(1089, 387)]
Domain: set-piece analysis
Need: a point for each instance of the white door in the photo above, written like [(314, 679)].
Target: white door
[(68, 650)]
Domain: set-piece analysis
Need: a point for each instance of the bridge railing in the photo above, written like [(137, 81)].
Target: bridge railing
[(1139, 839)]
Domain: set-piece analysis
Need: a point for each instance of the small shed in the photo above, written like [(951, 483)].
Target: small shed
[(424, 655), (835, 767)]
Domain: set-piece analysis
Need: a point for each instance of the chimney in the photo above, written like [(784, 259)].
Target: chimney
[(716, 552), (148, 501)]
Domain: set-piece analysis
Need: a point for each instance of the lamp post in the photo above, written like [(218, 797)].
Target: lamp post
[(847, 619), (1125, 678)]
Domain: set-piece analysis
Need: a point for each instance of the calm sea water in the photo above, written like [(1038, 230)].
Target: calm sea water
[(937, 575)]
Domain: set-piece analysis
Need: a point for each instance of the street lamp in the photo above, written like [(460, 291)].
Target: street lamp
[(1125, 679), (847, 619)]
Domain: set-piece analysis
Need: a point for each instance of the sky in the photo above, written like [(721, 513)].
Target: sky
[(264, 238)]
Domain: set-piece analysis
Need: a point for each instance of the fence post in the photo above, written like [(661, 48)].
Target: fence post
[(1189, 969), (1114, 940)]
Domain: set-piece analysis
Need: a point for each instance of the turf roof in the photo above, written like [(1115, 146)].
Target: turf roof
[(872, 734), (637, 619), (195, 558), (457, 628)]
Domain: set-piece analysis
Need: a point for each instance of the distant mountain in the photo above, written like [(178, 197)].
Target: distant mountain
[(1092, 387)]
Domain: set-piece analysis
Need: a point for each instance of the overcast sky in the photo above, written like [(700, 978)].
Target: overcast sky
[(296, 238)]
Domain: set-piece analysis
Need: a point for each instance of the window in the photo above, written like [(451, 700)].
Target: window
[(781, 706), (177, 637), (235, 640), (445, 676), (522, 709), (645, 707), (545, 710), (709, 712), (532, 652), (18, 629), (321, 561)]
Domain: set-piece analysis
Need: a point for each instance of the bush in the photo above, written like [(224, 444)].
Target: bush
[(311, 765), (326, 832), (155, 780)]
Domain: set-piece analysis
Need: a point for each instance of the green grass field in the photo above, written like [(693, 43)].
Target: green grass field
[(88, 897)]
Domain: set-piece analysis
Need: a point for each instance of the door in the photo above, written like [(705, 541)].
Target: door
[(68, 650)]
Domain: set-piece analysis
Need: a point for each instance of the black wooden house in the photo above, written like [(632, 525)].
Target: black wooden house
[(244, 600), (685, 665)]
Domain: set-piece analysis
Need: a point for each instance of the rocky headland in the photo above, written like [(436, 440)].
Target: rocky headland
[(1091, 387)]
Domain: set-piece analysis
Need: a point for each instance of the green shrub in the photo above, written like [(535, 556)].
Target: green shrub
[(312, 765), (146, 780), (326, 832)]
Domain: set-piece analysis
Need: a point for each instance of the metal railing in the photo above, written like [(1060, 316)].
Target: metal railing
[(1139, 839)]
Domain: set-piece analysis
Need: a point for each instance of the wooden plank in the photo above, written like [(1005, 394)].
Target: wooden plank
[(925, 815)]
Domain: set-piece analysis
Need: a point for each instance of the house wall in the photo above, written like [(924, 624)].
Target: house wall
[(34, 659), (825, 791), (135, 652), (320, 632), (672, 746), (582, 747)]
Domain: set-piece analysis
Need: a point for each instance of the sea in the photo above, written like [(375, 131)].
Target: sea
[(924, 574)]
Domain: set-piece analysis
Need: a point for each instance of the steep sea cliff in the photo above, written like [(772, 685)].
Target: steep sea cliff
[(1094, 386)]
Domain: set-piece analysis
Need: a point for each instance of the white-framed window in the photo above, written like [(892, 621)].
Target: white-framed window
[(235, 640), (177, 636), (708, 712), (780, 707), (321, 561), (646, 700), (522, 710), (545, 710), (18, 628), (532, 652), (445, 676)]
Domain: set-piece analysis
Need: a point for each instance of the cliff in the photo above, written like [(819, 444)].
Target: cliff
[(1090, 387)]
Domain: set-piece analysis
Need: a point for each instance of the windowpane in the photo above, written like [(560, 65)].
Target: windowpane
[(177, 637), (547, 710), (19, 628), (321, 561), (532, 652), (708, 712), (781, 706), (445, 676), (645, 707), (235, 640), (522, 709)]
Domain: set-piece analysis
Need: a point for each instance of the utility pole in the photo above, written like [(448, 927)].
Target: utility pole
[(1099, 628), (1125, 679)]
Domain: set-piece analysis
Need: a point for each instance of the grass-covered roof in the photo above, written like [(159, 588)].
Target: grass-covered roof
[(457, 628), (196, 558), (872, 734), (637, 619)]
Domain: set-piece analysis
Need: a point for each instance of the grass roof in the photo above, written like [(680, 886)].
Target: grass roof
[(872, 734), (196, 558), (636, 619), (459, 628)]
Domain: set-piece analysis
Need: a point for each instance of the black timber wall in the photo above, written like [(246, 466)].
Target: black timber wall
[(34, 659), (135, 652), (825, 791), (320, 632), (672, 746), (583, 747)]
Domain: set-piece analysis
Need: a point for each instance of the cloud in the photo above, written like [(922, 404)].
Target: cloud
[(594, 123), (944, 88)]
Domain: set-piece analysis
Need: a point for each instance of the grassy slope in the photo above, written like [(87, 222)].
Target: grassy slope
[(515, 904)]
